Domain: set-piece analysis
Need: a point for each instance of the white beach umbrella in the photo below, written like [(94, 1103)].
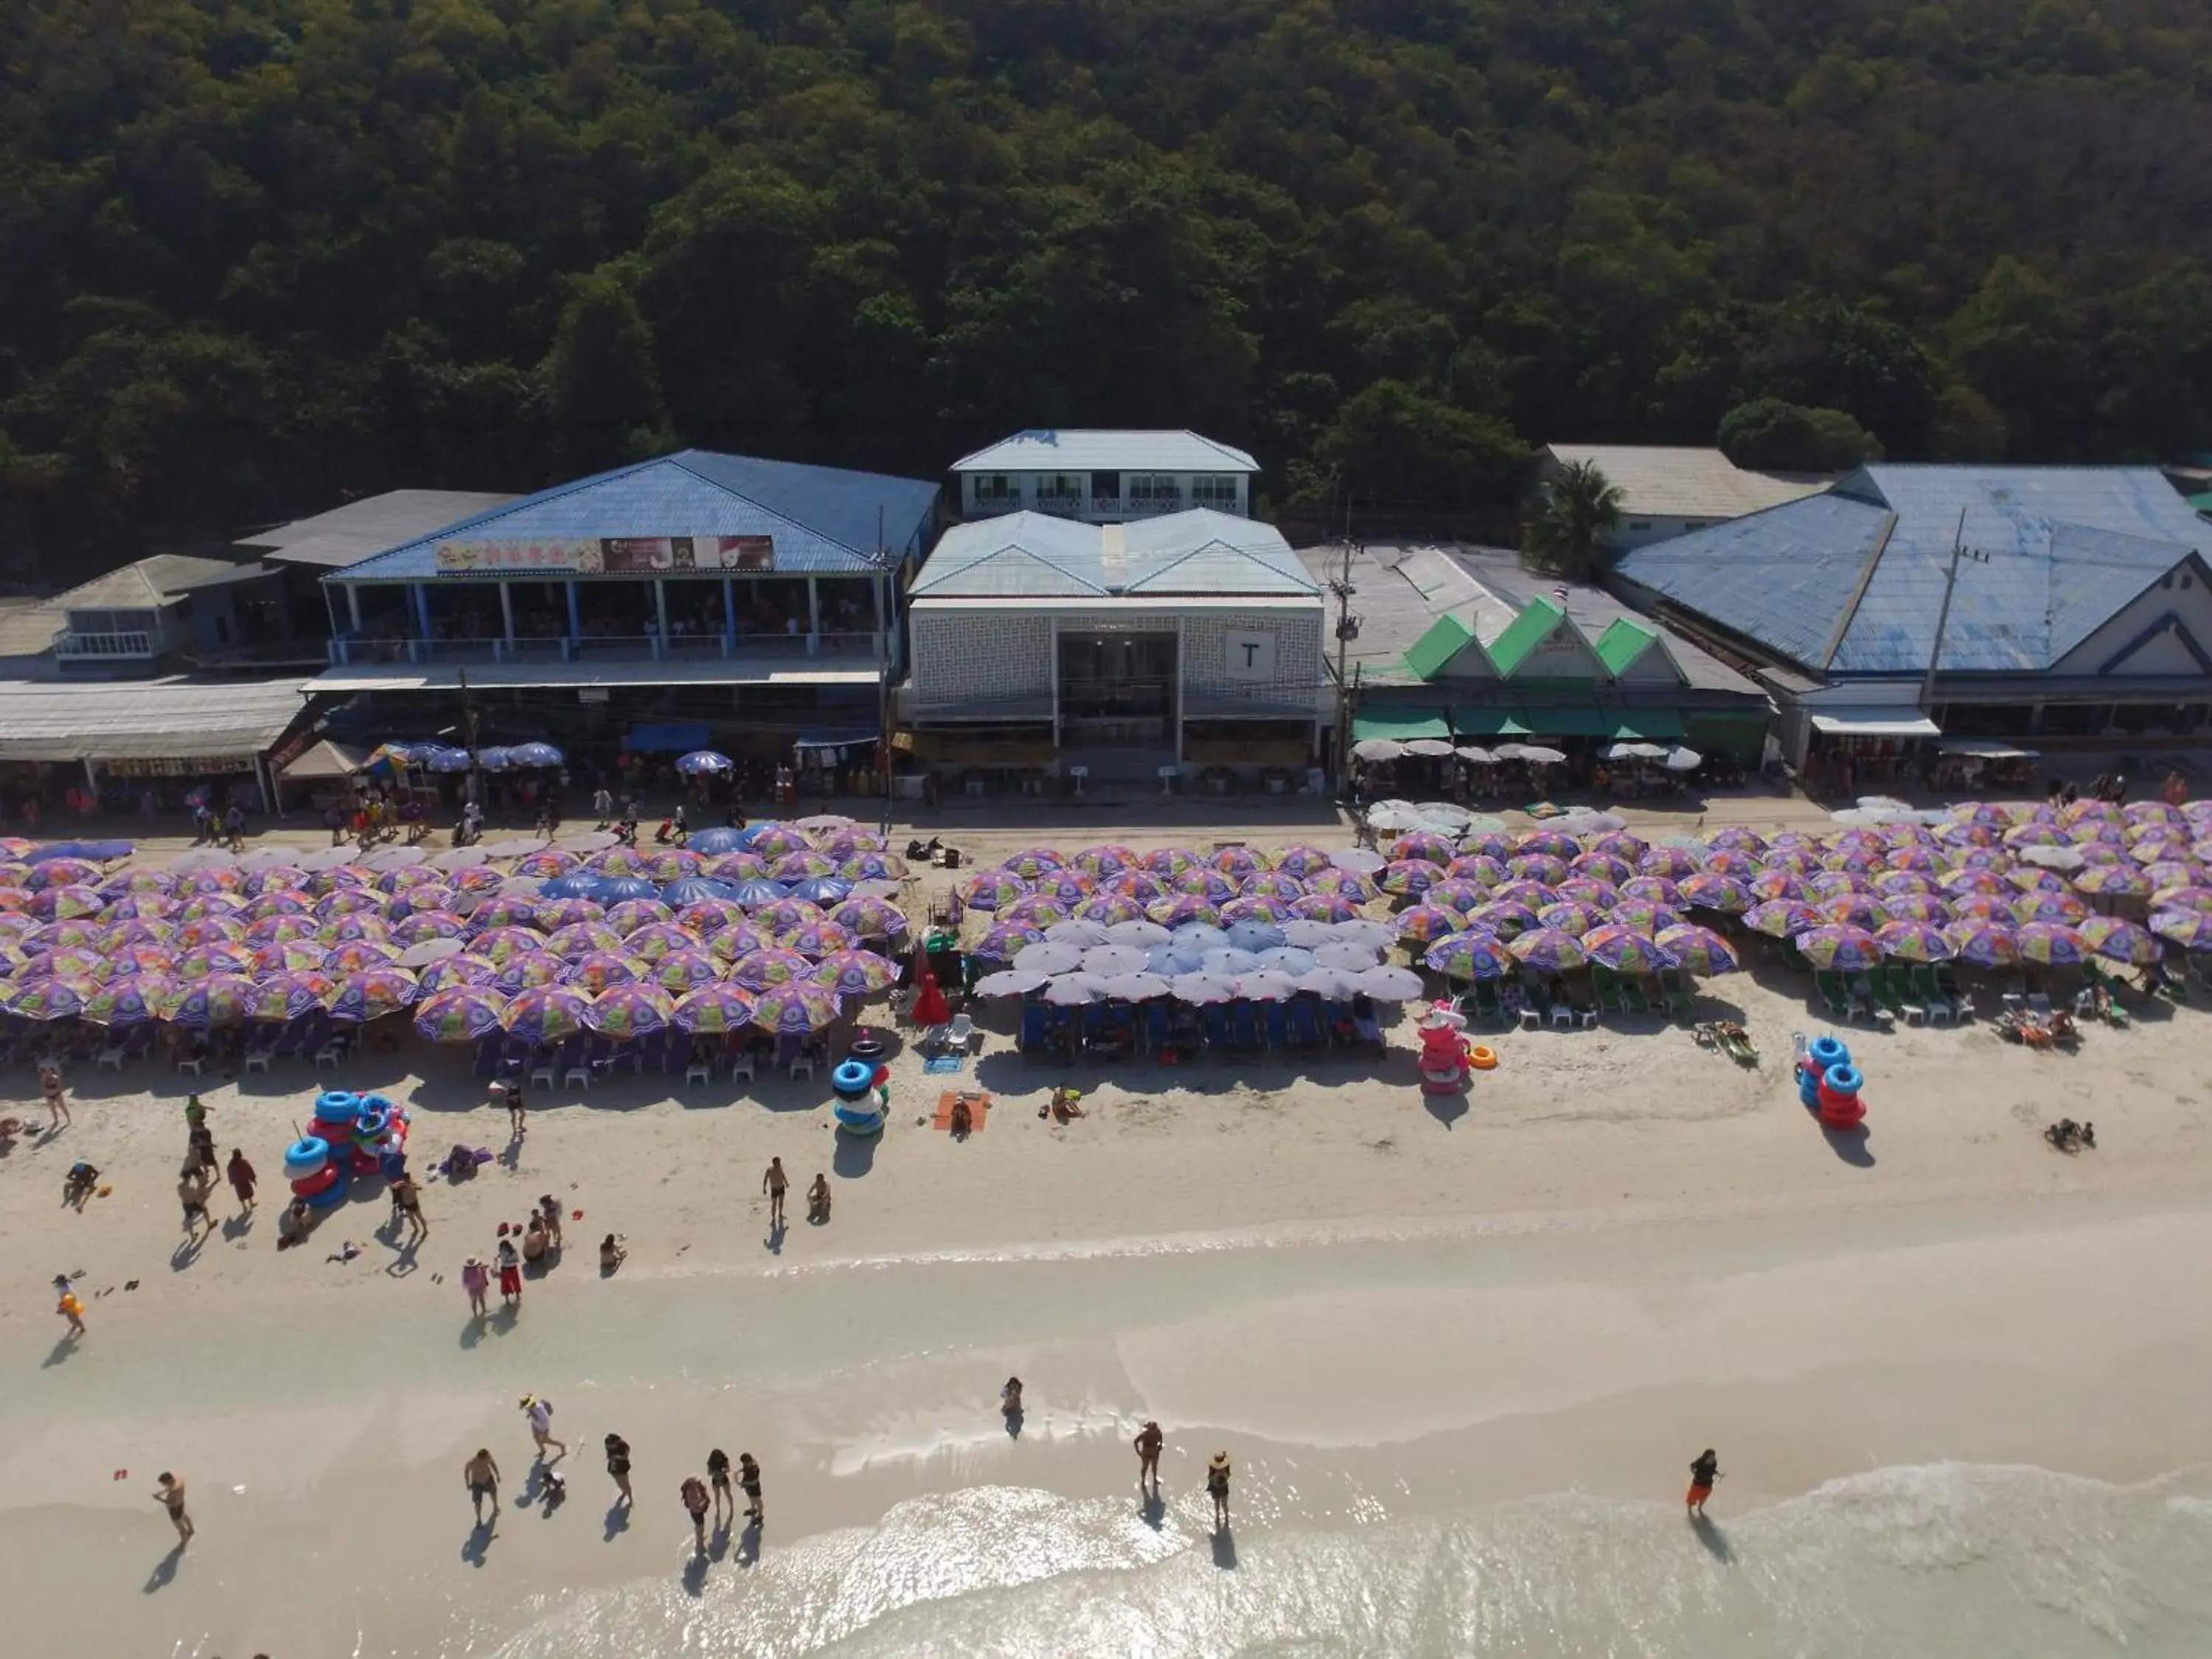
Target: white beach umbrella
[(1266, 987), (1363, 932), (1202, 988), (1048, 958), (1429, 748), (1011, 983), (396, 858), (429, 950), (1081, 934), (1072, 990), (1199, 936), (1172, 960), (1256, 935), (1360, 860), (1392, 817), (1330, 984), (1308, 933), (1105, 961), (513, 846), (1134, 987), (1378, 749), (1290, 959), (1348, 957), (1389, 984), (1227, 963), (460, 858), (1680, 759), (1143, 934), (204, 858)]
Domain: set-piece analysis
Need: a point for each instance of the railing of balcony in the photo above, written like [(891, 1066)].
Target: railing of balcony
[(124, 645), (356, 651)]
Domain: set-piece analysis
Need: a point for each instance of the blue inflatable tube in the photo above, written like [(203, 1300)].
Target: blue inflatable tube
[(1809, 1087), (337, 1106), (852, 1078), (858, 1119), (1845, 1079), (306, 1157), (371, 1124), (1827, 1052), (376, 1102), (330, 1198)]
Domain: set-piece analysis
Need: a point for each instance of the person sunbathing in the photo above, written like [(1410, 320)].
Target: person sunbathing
[(1066, 1102)]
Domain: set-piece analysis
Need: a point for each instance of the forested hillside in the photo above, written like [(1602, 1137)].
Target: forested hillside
[(254, 253)]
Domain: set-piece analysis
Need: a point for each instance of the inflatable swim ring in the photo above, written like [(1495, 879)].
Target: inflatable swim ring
[(306, 1156), (852, 1078), (1827, 1050), (337, 1106), (1842, 1079), (1482, 1057), (322, 1181)]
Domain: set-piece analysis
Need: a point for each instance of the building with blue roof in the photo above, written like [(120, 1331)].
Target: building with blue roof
[(757, 598), (1994, 608)]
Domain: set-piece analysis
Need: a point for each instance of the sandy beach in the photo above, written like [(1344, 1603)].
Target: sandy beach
[(1618, 1248)]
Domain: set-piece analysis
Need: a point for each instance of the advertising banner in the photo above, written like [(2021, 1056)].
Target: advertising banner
[(609, 556)]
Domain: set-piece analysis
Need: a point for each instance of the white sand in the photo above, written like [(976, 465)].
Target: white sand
[(1624, 1249)]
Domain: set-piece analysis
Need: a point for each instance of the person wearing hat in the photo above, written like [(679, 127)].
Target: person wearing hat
[(1217, 1486), (1149, 1442), (476, 1279), (540, 1414)]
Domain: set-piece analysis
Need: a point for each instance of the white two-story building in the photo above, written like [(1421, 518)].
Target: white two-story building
[(1105, 478)]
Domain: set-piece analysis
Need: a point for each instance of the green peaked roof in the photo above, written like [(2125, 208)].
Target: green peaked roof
[(1527, 631), (1447, 636), (1622, 644)]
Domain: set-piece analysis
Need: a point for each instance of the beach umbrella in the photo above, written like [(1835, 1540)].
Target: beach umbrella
[(1425, 845), (372, 995), (1410, 877), (503, 910), (1624, 951), (1388, 984), (681, 864), (1674, 863), (2112, 881), (1274, 884), (1202, 988), (1048, 959), (2167, 873), (1073, 990), (61, 903), (681, 970), (79, 933), (1570, 916), (844, 844), (219, 1001), (1505, 917), (655, 939), (1011, 982), (2052, 944), (1003, 939), (1110, 909), (221, 930), (1167, 862), (127, 881), (1455, 894), (580, 938), (1253, 935), (818, 890), (1308, 933), (547, 862), (579, 885), (1322, 908), (773, 841), (855, 973), (1228, 960), (1918, 907), (595, 970), (451, 972), (2196, 896), (1741, 865), (1343, 884), (1555, 843), (1142, 934), (2190, 929), (871, 918), (1266, 985), (759, 893), (1424, 924), (1374, 935), (1957, 881), (1603, 867), (134, 999), (1716, 892), (713, 1009), (786, 915), (1543, 868), (1106, 961), (1080, 934), (285, 957), (545, 1014), (1840, 946), (2119, 940), (204, 960), (53, 868), (461, 1014), (1985, 944), (703, 762), (763, 969), (133, 907), (1644, 915), (497, 944), (1292, 959), (216, 907), (626, 1012), (342, 930), (1134, 988), (1769, 885), (2035, 835), (1548, 950), (1700, 950), (1302, 860), (730, 943), (1914, 941), (801, 867), (554, 914), (1182, 910), (1856, 909), (1467, 956), (1617, 844), (423, 953), (618, 861), (1204, 882), (707, 917), (1265, 912), (816, 939), (280, 921), (1891, 882), (1141, 885), (2059, 908), (45, 999), (1980, 907), (1657, 888), (1737, 838), (1172, 961), (1480, 868), (796, 1008), (529, 971)]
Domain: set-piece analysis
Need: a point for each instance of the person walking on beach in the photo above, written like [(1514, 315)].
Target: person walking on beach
[(1149, 1441), (1216, 1488), (193, 1194), (510, 1275), (518, 1114), (749, 1482), (1702, 1474), (618, 1466), (695, 1503), (718, 1476), (775, 1183), (540, 1414), (169, 1489), (69, 1307), (50, 1084), (241, 1177), (476, 1279), (482, 1473), (407, 1199)]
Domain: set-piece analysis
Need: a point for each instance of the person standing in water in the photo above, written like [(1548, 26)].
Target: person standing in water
[(1702, 1474), (775, 1183), (749, 1482), (694, 1505), (1217, 1487), (618, 1466), (718, 1476), (482, 1473), (1149, 1442)]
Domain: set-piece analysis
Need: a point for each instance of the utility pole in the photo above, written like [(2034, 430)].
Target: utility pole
[(1347, 629), (1943, 615), (883, 603), (469, 737)]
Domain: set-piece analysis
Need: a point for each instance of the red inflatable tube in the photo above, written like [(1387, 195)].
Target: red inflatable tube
[(311, 1185)]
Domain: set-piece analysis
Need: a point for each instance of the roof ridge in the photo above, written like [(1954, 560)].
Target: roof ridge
[(1850, 610), (678, 459)]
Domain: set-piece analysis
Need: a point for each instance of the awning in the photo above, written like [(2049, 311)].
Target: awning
[(1982, 749), (669, 735), (325, 761), (1403, 723), (230, 720), (1576, 720), (1877, 723), (1651, 724), (1489, 720)]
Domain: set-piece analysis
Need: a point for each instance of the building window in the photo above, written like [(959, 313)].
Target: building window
[(1156, 488), (1639, 524), (993, 487), (1213, 489)]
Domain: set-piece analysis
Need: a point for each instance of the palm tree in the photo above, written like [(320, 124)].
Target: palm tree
[(1580, 504)]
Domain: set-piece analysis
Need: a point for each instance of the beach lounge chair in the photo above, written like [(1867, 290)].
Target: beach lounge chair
[(1276, 1026), (1302, 1020), (961, 1034), (1833, 997), (1927, 990), (1155, 1031), (1676, 990), (1486, 1005), (1632, 997), (1563, 1016)]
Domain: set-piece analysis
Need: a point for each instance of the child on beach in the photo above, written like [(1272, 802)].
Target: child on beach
[(69, 1307), (1702, 1474)]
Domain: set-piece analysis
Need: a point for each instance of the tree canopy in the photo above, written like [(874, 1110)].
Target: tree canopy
[(258, 254), (1577, 507), (1768, 434)]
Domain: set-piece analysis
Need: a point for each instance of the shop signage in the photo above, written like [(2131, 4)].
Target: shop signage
[(1248, 655), (607, 556), (177, 768)]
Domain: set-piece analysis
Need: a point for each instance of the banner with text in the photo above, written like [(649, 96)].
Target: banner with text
[(607, 556)]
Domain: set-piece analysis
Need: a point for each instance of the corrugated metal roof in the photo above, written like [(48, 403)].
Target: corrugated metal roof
[(27, 627), (1042, 449), (1621, 644), (1662, 482), (146, 583), (144, 720), (824, 520), (1529, 629), (1852, 581), (1034, 556), (346, 535)]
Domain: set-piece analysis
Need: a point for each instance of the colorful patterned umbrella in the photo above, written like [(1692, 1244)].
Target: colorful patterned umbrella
[(1545, 867), (453, 972), (220, 1000), (628, 915), (1923, 907), (851, 842), (2035, 835), (288, 996), (1274, 884), (1036, 910), (62, 871), (871, 918), (581, 939), (1323, 906), (802, 865), (1272, 911), (359, 955), (461, 1014), (623, 1012), (546, 1014), (1477, 867), (351, 901), (2112, 881), (1168, 862), (1422, 924), (2171, 872), (49, 998), (738, 866), (60, 903), (675, 864), (1004, 940), (482, 878), (1344, 884), (1469, 956), (1409, 877), (1985, 944), (743, 940), (2121, 941), (657, 939), (287, 957), (1455, 894), (2052, 944), (1549, 950), (815, 939), (1505, 917), (1657, 889), (80, 932), (855, 973), (708, 916), (1626, 951), (1570, 917), (221, 907), (787, 914), (1643, 915), (1854, 909), (2060, 907), (1302, 861), (2188, 896), (1034, 862), (504, 910), (1603, 867), (1423, 844), (342, 930), (1210, 884), (1791, 860), (1723, 862), (593, 971), (2190, 929), (1700, 950), (795, 1008), (711, 1009), (547, 862), (1891, 882), (1674, 863), (1557, 844), (1737, 838), (1847, 948), (137, 881), (1716, 892), (554, 914), (1775, 885), (1973, 881), (135, 906), (683, 970), (428, 924), (764, 968), (1914, 941), (216, 930), (198, 964), (127, 999), (529, 970)]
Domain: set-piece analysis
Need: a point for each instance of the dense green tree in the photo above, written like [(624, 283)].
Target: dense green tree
[(1577, 507), (603, 404), (1770, 435), (1393, 446)]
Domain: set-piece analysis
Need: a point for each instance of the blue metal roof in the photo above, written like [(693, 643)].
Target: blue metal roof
[(824, 518), (1850, 582)]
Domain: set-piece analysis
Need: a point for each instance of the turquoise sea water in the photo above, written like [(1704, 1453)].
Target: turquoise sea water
[(1937, 1560)]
